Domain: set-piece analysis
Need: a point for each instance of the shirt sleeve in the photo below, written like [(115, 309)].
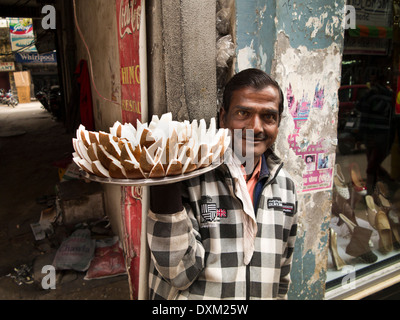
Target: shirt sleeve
[(175, 246), (287, 256)]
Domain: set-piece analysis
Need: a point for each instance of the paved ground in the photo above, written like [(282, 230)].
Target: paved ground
[(31, 142)]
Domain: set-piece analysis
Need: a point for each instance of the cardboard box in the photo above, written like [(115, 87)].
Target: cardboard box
[(24, 94), (23, 83), (22, 79), (78, 201)]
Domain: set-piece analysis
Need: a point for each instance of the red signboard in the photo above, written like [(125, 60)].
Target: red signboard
[(128, 19)]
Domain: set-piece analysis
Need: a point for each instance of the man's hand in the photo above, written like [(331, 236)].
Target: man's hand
[(166, 199)]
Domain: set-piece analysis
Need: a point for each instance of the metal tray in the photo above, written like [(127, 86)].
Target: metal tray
[(151, 181)]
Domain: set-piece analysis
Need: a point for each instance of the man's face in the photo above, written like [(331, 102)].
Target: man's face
[(255, 110)]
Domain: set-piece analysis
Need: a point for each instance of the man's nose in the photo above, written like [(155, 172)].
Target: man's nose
[(257, 124)]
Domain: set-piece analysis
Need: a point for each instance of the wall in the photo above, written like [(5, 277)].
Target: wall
[(300, 44), (181, 55), (99, 31)]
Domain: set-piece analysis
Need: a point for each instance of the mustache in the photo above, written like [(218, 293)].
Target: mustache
[(250, 136)]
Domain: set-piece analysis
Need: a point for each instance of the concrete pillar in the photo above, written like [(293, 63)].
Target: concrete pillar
[(181, 50), (300, 44)]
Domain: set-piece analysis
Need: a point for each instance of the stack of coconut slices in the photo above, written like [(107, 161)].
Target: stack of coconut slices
[(162, 148)]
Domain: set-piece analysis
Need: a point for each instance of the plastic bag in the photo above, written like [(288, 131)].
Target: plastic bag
[(108, 260), (225, 51), (223, 23), (75, 252)]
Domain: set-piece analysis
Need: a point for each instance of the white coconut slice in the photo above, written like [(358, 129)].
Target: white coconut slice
[(157, 171), (164, 126), (113, 148), (146, 138), (226, 140), (154, 122), (188, 166), (146, 161), (105, 157), (82, 150), (116, 170), (216, 140), (158, 154), (174, 168), (104, 138), (116, 129), (133, 170), (167, 117), (195, 126), (81, 127), (76, 160), (217, 154), (139, 129), (202, 151), (92, 152), (99, 170), (212, 129), (170, 149), (128, 132), (126, 152), (86, 166), (74, 140), (205, 161), (202, 129), (154, 147), (183, 154), (94, 137), (78, 131), (84, 136)]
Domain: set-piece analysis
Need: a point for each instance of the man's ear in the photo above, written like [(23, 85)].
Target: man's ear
[(222, 118)]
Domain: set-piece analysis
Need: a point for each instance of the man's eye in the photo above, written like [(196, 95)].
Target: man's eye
[(270, 117), (242, 113)]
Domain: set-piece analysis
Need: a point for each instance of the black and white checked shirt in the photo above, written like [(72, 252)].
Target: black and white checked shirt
[(216, 248)]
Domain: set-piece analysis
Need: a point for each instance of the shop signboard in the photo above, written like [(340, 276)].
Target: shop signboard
[(373, 31), (128, 20), (372, 13), (7, 66), (34, 57), (21, 34)]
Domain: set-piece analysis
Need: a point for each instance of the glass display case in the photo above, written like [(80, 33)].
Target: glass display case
[(364, 234)]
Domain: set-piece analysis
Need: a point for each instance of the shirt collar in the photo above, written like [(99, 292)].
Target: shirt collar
[(261, 170)]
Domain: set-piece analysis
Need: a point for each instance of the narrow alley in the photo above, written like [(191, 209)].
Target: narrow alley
[(33, 147)]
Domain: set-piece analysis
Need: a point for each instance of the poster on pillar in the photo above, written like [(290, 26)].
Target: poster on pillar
[(319, 160), (129, 19)]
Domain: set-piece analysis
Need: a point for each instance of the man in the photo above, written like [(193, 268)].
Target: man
[(229, 233)]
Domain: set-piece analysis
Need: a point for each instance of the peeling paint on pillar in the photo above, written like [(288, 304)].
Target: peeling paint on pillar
[(302, 49)]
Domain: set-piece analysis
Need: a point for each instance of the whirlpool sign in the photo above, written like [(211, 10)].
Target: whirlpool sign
[(31, 57)]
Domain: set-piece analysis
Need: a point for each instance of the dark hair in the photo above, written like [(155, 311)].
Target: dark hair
[(253, 78)]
